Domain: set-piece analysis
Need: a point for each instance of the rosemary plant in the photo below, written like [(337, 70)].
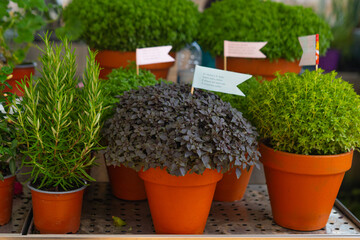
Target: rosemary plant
[(58, 122)]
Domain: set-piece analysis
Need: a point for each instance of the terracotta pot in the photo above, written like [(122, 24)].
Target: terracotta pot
[(57, 212), (258, 67), (126, 183), (20, 72), (303, 188), (230, 188), (108, 60), (179, 205), (6, 198)]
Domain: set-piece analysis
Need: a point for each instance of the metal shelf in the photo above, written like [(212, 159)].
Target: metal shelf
[(249, 217)]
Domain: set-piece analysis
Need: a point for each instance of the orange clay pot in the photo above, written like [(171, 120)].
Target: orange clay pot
[(109, 60), (19, 73), (230, 188), (126, 183), (6, 198), (303, 188), (179, 205), (258, 67), (57, 212)]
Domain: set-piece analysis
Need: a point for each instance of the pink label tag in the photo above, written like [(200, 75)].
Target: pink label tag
[(308, 45), (244, 49), (153, 55)]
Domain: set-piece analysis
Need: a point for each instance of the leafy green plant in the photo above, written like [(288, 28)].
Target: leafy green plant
[(257, 20), (314, 113), (8, 142), (121, 80), (165, 126), (124, 25), (58, 122), (17, 28)]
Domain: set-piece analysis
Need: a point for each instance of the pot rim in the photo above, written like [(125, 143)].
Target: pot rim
[(51, 192), (26, 65), (9, 176), (317, 156), (305, 164)]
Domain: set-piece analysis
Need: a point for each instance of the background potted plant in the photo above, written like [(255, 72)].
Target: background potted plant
[(58, 125), (125, 182), (310, 125), (8, 146), (256, 20), (117, 28), (19, 20), (181, 143)]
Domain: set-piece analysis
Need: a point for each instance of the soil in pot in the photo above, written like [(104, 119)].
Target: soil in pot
[(22, 71), (126, 183), (230, 188), (258, 67), (179, 205), (108, 60), (57, 212), (303, 188)]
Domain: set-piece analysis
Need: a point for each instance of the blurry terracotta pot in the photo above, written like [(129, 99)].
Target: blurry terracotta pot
[(230, 188), (57, 212), (6, 198), (258, 67), (20, 72), (303, 188), (179, 205), (108, 60), (126, 183)]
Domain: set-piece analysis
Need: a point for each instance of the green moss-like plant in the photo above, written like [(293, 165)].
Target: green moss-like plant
[(315, 113), (58, 123), (257, 20), (121, 80), (124, 25)]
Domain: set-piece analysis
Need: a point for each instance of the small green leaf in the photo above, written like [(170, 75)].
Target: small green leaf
[(12, 166), (118, 221)]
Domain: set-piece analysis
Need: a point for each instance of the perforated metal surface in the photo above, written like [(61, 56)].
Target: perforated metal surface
[(20, 212), (252, 215)]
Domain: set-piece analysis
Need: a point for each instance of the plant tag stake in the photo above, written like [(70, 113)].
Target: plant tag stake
[(242, 50), (310, 46), (218, 80), (152, 55)]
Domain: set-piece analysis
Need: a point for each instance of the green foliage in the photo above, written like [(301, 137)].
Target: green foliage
[(124, 25), (17, 28), (312, 114), (165, 126), (121, 80), (257, 20), (58, 122), (8, 142), (240, 102)]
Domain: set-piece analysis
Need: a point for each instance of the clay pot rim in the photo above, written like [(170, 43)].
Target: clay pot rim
[(26, 65), (51, 192), (9, 176), (310, 156)]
